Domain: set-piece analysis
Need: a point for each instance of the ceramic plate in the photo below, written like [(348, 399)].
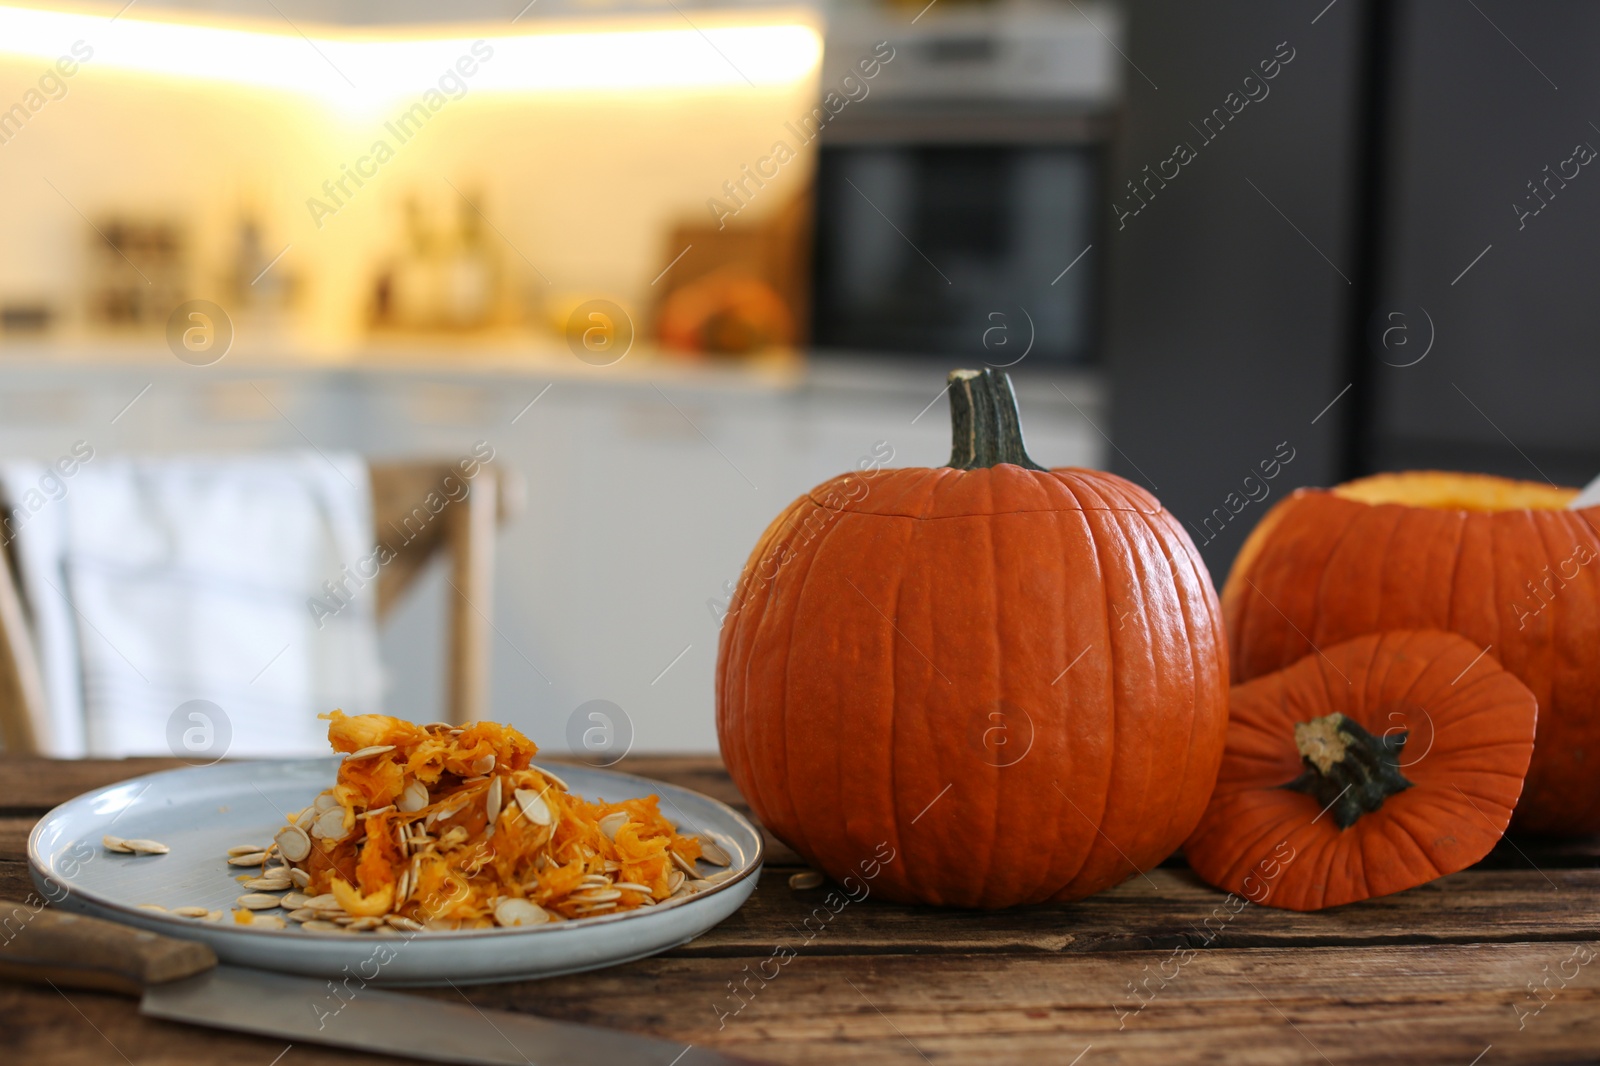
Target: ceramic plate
[(199, 812)]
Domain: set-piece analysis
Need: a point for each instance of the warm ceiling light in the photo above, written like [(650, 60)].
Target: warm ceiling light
[(359, 72)]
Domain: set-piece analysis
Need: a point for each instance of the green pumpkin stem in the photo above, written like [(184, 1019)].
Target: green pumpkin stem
[(1348, 770), (985, 428)]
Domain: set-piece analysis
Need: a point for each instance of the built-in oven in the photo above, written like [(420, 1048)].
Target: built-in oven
[(959, 194)]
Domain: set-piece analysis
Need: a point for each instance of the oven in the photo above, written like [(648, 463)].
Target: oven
[(960, 174)]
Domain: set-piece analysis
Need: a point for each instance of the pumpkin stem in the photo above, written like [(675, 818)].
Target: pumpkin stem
[(985, 428), (1348, 770)]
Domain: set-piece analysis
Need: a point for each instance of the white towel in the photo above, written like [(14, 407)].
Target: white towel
[(153, 582)]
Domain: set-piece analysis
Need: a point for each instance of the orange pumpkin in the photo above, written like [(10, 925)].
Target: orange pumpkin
[(1501, 562), (1371, 767), (985, 684)]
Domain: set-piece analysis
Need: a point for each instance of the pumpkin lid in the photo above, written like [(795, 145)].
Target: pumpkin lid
[(1365, 769)]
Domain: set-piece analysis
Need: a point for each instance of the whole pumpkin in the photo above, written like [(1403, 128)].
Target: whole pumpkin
[(1501, 562), (981, 685)]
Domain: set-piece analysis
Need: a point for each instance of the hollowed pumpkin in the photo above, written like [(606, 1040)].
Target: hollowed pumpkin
[(1501, 562), (987, 684), (1371, 767)]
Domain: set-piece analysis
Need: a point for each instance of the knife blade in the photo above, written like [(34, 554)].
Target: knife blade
[(180, 980)]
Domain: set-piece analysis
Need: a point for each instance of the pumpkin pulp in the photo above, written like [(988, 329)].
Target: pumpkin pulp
[(1448, 491), (1347, 769)]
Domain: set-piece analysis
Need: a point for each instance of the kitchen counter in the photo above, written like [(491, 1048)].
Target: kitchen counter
[(782, 371), (1488, 965)]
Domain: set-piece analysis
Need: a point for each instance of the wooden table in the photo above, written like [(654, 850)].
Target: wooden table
[(1487, 966)]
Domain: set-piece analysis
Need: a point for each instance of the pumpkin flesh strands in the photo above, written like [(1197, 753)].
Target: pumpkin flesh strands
[(1347, 768)]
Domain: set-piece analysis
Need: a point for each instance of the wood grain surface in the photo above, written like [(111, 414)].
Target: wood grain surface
[(1495, 964)]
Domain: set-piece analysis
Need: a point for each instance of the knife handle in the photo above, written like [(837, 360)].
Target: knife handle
[(39, 944)]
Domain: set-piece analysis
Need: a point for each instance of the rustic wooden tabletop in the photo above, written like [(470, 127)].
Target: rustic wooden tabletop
[(1487, 966)]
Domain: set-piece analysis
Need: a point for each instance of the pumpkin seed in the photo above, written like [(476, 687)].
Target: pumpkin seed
[(266, 884), (597, 897), (325, 902), (307, 818), (491, 801), (613, 822), (324, 801), (213, 915), (366, 753), (804, 880), (300, 878), (414, 798), (245, 849), (191, 912), (380, 810), (400, 921), (293, 900), (684, 864), (482, 764), (257, 901), (302, 914), (534, 806), (152, 907), (255, 858), (361, 925), (294, 843), (712, 852), (329, 825), (146, 847), (514, 911), (552, 777), (632, 886)]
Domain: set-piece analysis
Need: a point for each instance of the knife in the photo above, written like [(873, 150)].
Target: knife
[(181, 980)]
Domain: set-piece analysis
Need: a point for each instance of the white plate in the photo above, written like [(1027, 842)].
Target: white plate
[(199, 812)]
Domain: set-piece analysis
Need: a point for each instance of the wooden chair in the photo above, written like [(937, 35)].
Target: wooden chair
[(466, 528)]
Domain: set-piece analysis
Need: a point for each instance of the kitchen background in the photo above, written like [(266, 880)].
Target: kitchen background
[(677, 264)]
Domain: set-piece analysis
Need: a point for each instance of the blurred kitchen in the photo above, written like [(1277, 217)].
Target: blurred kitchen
[(663, 267)]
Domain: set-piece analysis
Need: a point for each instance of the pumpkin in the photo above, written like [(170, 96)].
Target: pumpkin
[(1501, 562), (1371, 767), (982, 685)]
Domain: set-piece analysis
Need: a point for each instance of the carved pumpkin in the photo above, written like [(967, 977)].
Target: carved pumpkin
[(985, 684), (1501, 562), (1369, 768)]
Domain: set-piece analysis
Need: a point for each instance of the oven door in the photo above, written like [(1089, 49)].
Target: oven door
[(962, 240)]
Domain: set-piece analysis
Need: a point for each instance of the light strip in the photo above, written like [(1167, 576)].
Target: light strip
[(362, 72)]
